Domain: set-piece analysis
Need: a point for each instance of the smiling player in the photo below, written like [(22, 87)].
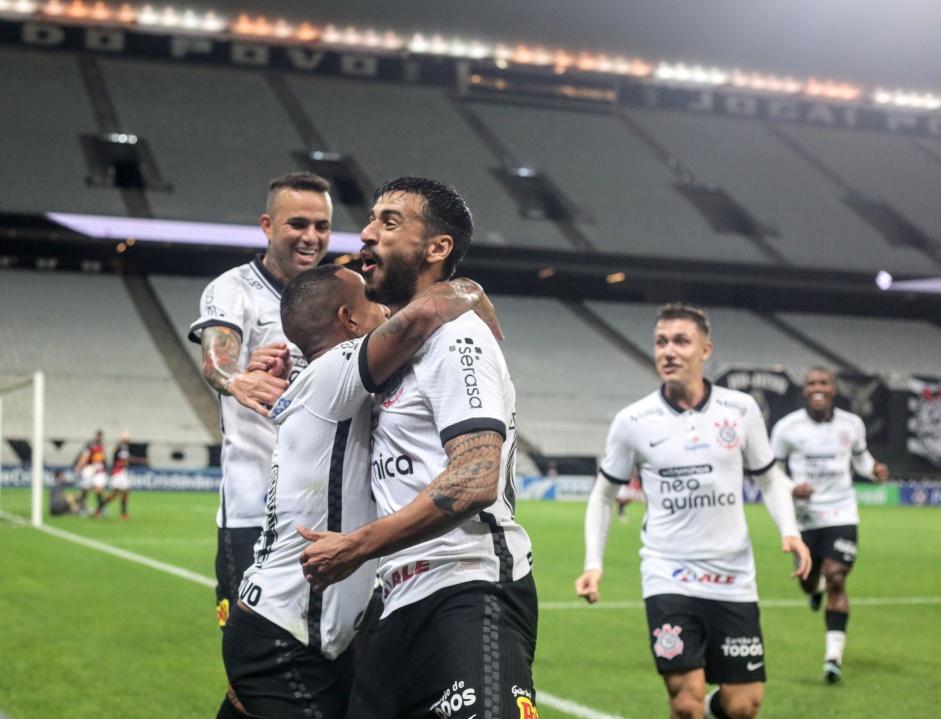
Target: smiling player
[(691, 443)]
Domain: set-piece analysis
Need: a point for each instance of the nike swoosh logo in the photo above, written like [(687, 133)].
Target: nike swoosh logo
[(752, 667), (265, 324), (659, 441)]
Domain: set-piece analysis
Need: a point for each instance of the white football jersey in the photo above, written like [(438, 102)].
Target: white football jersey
[(692, 465), (819, 453), (247, 299), (319, 479), (457, 384)]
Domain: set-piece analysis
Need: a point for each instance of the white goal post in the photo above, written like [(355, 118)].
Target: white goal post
[(38, 382)]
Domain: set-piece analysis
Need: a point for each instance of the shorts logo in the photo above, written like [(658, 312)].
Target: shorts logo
[(668, 644), (455, 698), (527, 710), (222, 611), (728, 437), (743, 647), (847, 547)]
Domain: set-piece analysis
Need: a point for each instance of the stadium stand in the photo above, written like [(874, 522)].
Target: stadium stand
[(179, 297), (815, 229), (741, 338), (428, 138), (615, 180), (102, 368), (894, 348), (47, 112), (570, 381)]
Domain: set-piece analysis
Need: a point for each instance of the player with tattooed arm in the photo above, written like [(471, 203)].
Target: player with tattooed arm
[(240, 311), (457, 633)]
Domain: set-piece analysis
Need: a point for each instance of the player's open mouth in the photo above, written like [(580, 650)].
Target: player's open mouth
[(368, 262)]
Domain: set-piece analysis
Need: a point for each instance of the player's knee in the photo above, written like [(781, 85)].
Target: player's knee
[(744, 706), (688, 705), (836, 581)]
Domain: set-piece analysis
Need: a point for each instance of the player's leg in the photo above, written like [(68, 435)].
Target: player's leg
[(678, 644), (837, 564), (235, 552), (274, 675), (815, 585), (735, 660), (124, 496), (687, 691)]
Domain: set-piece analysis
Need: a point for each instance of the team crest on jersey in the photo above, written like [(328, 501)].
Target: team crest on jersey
[(281, 405), (668, 644), (728, 435)]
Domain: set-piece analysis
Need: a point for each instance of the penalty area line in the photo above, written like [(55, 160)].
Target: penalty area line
[(544, 699)]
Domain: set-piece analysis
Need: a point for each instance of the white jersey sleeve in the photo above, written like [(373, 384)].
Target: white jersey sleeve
[(619, 451), (223, 303), (756, 447)]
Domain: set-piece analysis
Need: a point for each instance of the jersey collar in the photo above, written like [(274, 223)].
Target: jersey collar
[(679, 410), (276, 285)]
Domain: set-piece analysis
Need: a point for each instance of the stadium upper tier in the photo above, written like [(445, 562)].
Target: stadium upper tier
[(102, 368), (217, 134)]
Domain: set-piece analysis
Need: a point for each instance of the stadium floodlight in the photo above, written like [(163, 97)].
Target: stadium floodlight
[(883, 280)]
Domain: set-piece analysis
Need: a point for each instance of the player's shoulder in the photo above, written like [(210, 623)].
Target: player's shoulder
[(793, 419), (844, 417), (647, 408), (465, 334), (734, 399)]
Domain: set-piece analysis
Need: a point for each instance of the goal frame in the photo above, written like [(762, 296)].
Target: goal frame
[(38, 382)]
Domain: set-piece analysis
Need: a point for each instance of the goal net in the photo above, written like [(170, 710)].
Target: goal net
[(22, 444)]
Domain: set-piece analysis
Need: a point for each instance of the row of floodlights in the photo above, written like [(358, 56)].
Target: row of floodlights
[(559, 60)]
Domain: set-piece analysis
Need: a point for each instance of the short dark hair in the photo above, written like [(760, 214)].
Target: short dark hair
[(820, 368), (318, 288), (445, 213), (680, 311), (301, 181)]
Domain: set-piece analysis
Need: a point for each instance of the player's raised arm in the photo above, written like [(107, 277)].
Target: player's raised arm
[(253, 389), (399, 338), (469, 484)]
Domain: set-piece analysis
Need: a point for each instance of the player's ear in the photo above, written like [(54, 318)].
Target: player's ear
[(438, 248), (707, 350), (350, 322), (266, 225)]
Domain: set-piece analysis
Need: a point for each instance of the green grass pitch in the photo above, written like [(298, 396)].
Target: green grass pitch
[(84, 633)]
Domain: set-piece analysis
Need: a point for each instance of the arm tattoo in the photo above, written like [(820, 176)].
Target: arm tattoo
[(220, 357), (471, 481), (445, 301)]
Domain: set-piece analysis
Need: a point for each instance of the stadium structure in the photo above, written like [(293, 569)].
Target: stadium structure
[(137, 144)]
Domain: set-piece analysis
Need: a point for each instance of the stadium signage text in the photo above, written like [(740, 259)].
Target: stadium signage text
[(428, 69)]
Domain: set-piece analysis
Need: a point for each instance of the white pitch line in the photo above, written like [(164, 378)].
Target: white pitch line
[(107, 548), (545, 699)]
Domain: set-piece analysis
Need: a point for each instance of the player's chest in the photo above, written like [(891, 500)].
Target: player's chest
[(823, 440)]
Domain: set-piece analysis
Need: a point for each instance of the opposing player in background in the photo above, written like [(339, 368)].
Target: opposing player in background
[(61, 501), (281, 634), (93, 470), (240, 311), (120, 480), (692, 442), (457, 634), (819, 445)]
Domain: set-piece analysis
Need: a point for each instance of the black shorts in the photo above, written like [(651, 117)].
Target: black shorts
[(836, 543), (724, 638), (235, 552), (464, 651), (274, 675)]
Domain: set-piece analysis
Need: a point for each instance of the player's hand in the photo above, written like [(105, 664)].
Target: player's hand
[(880, 472), (488, 314), (256, 389), (803, 491), (275, 359), (330, 559), (802, 561), (587, 585)]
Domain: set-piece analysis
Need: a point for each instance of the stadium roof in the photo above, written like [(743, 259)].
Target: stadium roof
[(875, 42)]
